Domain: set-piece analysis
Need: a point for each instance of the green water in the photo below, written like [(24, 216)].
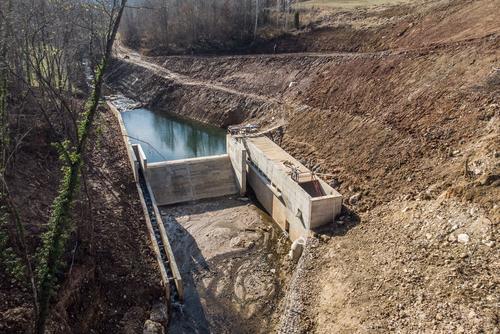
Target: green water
[(166, 137)]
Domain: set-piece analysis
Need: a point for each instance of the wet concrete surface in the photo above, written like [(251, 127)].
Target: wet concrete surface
[(232, 259)]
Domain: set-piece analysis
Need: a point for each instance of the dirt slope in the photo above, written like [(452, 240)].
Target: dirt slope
[(112, 279), (410, 125)]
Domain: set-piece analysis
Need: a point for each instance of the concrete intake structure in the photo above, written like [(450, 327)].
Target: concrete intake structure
[(295, 198)]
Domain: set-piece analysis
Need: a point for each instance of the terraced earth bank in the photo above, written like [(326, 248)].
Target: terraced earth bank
[(398, 107)]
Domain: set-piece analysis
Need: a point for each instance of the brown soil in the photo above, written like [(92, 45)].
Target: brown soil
[(409, 122), (112, 279)]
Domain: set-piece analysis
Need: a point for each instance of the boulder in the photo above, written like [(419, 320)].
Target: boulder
[(151, 327)]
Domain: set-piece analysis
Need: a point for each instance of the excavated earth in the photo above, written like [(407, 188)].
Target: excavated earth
[(397, 107)]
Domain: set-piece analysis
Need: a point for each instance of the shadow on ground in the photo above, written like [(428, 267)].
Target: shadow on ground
[(347, 220)]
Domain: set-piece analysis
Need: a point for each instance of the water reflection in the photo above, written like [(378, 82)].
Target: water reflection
[(165, 137)]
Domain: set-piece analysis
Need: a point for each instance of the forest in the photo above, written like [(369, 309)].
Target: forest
[(180, 26)]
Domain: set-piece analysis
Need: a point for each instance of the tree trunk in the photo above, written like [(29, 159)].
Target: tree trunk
[(4, 120), (256, 19)]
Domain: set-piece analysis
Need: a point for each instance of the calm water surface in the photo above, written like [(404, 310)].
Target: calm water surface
[(165, 137)]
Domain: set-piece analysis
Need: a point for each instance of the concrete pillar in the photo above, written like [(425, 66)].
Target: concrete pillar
[(243, 180), (238, 156), (140, 155)]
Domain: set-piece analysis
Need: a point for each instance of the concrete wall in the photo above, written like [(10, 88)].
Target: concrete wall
[(286, 201), (273, 203), (294, 197), (134, 163), (325, 208), (238, 155), (191, 179)]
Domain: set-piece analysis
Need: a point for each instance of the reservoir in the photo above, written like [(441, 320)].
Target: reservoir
[(167, 137)]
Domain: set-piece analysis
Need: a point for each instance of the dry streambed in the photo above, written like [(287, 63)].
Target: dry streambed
[(232, 260)]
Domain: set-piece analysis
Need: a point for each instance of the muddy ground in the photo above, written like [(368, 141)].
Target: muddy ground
[(399, 109), (233, 265)]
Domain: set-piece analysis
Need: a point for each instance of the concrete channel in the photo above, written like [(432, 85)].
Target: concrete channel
[(222, 258)]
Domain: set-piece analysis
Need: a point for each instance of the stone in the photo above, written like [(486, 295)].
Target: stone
[(463, 238), (151, 327), (354, 198), (334, 183), (236, 242), (488, 243), (159, 313), (296, 249)]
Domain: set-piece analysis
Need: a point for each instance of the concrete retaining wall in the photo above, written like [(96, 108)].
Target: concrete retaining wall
[(191, 179), (290, 205), (325, 208), (270, 199), (293, 196), (238, 155), (130, 152)]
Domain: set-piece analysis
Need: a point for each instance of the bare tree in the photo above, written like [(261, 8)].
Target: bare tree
[(187, 24), (44, 54), (256, 18), (5, 11), (56, 237)]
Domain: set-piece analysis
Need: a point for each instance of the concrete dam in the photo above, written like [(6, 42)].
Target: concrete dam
[(297, 203), (177, 192)]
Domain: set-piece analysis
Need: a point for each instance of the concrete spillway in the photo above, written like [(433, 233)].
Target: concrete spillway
[(187, 180), (294, 197)]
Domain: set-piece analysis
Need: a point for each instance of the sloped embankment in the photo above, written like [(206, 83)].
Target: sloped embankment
[(165, 91), (409, 135)]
